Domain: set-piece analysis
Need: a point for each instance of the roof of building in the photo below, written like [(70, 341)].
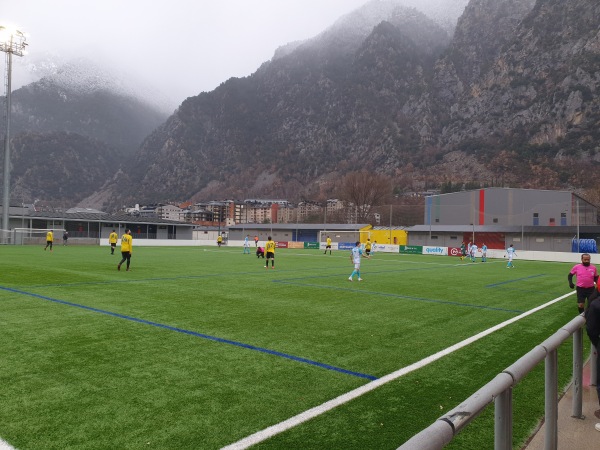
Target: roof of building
[(301, 226), (562, 230), (95, 217), (84, 210)]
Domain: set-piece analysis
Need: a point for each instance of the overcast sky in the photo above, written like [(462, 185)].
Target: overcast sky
[(182, 47)]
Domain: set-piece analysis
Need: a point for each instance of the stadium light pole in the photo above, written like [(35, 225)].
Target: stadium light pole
[(577, 226), (12, 42), (391, 224)]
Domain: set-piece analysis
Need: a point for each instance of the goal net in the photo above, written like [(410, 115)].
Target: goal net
[(343, 239), (34, 236)]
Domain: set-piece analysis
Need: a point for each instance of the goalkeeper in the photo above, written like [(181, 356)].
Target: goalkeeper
[(49, 240)]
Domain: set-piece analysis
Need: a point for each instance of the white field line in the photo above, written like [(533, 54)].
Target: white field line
[(5, 446), (344, 254), (273, 430)]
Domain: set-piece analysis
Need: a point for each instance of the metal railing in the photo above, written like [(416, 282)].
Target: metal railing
[(499, 390)]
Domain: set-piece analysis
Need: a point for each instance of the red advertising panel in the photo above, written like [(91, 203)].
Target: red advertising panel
[(281, 244), (453, 251)]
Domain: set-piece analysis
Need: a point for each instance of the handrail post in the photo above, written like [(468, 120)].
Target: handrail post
[(503, 420), (551, 401), (578, 374)]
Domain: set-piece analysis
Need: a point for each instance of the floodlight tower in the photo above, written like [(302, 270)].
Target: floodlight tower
[(11, 42)]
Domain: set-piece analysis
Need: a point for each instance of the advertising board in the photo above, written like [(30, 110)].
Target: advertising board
[(454, 251), (438, 251), (411, 249), (384, 248)]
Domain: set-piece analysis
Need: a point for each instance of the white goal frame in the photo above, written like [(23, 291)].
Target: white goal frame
[(344, 236), (34, 236)]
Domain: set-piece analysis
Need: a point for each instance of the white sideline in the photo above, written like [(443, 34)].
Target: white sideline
[(5, 446), (273, 430)]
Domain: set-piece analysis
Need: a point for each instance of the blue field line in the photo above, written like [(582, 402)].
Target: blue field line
[(407, 297), (194, 333), (516, 280), (138, 280), (142, 280), (533, 291), (253, 272), (338, 274)]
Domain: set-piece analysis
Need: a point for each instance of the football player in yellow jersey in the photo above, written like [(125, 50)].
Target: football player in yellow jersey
[(270, 252), (368, 247), (49, 240), (126, 247), (112, 239), (328, 246)]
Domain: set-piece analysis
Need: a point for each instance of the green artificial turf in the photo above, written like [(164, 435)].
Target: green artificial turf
[(200, 347)]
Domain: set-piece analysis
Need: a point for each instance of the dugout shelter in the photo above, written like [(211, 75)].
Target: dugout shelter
[(87, 226)]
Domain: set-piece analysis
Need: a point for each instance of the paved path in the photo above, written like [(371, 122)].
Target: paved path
[(574, 433)]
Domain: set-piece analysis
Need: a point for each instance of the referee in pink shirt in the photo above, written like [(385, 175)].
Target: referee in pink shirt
[(587, 275)]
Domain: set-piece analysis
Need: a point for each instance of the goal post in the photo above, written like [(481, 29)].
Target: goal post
[(346, 238), (34, 236)]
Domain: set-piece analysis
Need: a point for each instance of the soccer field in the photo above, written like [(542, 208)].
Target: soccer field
[(200, 347)]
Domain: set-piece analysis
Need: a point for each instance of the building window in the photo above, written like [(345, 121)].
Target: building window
[(453, 238), (539, 239), (434, 237), (437, 220), (495, 220)]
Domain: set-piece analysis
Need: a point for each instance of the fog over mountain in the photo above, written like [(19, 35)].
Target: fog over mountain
[(73, 128), (85, 74), (181, 50)]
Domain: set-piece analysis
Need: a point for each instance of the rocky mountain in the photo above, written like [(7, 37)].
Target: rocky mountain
[(532, 117), (59, 167), (79, 97), (508, 98), (71, 129), (300, 117)]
